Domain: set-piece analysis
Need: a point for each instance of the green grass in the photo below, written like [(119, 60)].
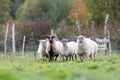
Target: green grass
[(104, 68)]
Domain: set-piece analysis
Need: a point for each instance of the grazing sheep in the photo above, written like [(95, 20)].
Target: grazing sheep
[(54, 48), (69, 48), (41, 50), (86, 48)]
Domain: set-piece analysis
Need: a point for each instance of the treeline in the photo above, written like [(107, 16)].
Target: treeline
[(57, 10), (60, 13)]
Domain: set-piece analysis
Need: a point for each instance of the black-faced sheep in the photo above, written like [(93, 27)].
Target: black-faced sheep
[(54, 48)]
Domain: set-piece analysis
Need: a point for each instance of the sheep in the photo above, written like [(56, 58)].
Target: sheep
[(42, 50), (69, 48), (54, 48), (86, 48)]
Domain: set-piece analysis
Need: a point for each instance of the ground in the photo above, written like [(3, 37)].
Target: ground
[(104, 68)]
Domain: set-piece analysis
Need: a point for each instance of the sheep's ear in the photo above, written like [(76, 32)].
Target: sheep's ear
[(53, 36)]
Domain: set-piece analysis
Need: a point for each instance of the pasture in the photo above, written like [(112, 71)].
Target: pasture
[(104, 68)]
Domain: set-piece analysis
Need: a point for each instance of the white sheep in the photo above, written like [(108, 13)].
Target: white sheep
[(86, 48), (54, 48), (42, 50), (69, 48)]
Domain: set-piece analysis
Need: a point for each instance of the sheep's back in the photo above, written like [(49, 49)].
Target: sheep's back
[(90, 45), (71, 46), (59, 46)]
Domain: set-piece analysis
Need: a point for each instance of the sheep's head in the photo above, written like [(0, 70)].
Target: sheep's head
[(64, 41), (80, 38), (50, 38)]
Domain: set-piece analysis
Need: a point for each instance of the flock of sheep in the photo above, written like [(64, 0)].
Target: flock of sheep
[(50, 49)]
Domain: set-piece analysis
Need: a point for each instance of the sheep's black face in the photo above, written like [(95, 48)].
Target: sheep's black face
[(81, 39), (51, 38)]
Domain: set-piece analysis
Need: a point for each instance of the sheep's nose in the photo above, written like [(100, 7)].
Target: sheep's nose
[(51, 41), (81, 39)]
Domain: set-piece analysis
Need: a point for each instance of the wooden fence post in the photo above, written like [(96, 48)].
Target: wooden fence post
[(23, 47), (106, 25), (5, 42), (13, 40), (35, 49), (106, 32), (77, 24), (93, 30)]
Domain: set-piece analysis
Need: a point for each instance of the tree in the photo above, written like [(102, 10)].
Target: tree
[(52, 10), (99, 8), (4, 10), (14, 5), (82, 11)]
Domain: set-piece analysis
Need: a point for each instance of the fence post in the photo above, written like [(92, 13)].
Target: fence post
[(77, 24), (23, 47), (5, 42), (34, 45), (13, 40), (93, 30), (106, 32)]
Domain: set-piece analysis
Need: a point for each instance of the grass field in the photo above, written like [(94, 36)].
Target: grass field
[(104, 68)]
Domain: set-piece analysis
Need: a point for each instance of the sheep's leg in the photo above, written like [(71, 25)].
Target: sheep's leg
[(81, 58), (69, 57), (75, 57), (46, 58), (66, 58), (91, 56), (61, 57), (86, 56), (72, 57), (56, 57), (50, 58)]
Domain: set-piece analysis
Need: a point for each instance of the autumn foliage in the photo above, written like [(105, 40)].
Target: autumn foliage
[(82, 10)]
